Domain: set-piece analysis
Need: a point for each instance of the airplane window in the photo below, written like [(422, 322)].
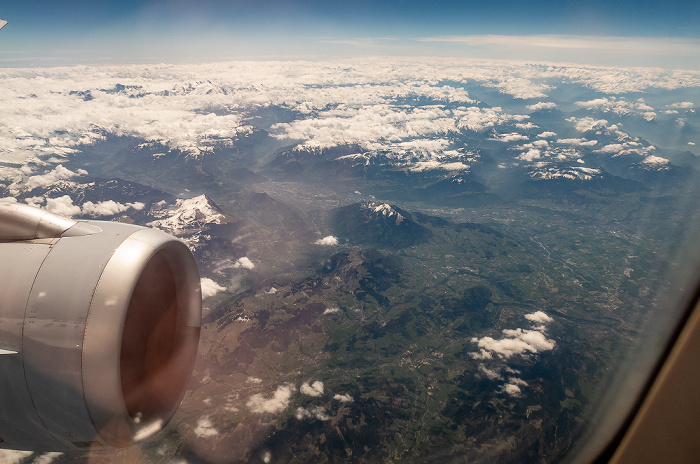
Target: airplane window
[(424, 232)]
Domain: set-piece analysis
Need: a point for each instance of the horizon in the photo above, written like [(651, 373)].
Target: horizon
[(625, 34)]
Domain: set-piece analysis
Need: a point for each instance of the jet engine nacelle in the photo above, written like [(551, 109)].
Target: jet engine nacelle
[(99, 330)]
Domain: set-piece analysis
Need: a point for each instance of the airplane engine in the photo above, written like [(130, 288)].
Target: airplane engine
[(99, 330)]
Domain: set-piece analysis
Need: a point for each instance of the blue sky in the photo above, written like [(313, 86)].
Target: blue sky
[(58, 33)]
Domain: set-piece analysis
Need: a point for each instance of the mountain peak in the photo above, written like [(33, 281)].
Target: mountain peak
[(187, 215)]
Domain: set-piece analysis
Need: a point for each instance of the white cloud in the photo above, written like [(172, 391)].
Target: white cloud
[(526, 125), (253, 380), (317, 412), (47, 458), (62, 206), (517, 381), (108, 208), (655, 160), (331, 310), (587, 124), (35, 201), (510, 137), (539, 316), (421, 166), (367, 124), (547, 134), (343, 398), (577, 142), (489, 373), (278, 403), (479, 119), (611, 148), (244, 263), (13, 456), (209, 287), (520, 87), (205, 428), (511, 389), (542, 106), (515, 342), (681, 105), (362, 105), (58, 173), (328, 240), (530, 155), (314, 389)]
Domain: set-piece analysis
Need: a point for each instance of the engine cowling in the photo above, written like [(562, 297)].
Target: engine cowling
[(99, 330)]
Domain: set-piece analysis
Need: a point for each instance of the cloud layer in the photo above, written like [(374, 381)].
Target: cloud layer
[(404, 108)]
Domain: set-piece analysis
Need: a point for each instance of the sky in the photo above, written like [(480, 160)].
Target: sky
[(626, 33)]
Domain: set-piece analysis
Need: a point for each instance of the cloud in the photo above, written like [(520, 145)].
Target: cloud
[(577, 142), (314, 389), (568, 42), (244, 263), (479, 119), (620, 107), (538, 316), (542, 106), (421, 166), (547, 134), (367, 124), (511, 389), (58, 173), (655, 160), (530, 155), (543, 171), (13, 456), (587, 124), (489, 373), (343, 398), (366, 104), (109, 207), (520, 88), (331, 310), (526, 125), (209, 287), (46, 458), (62, 206), (278, 403), (253, 380), (510, 137), (611, 148), (516, 342), (681, 105), (312, 412), (606, 49), (205, 428), (328, 240)]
